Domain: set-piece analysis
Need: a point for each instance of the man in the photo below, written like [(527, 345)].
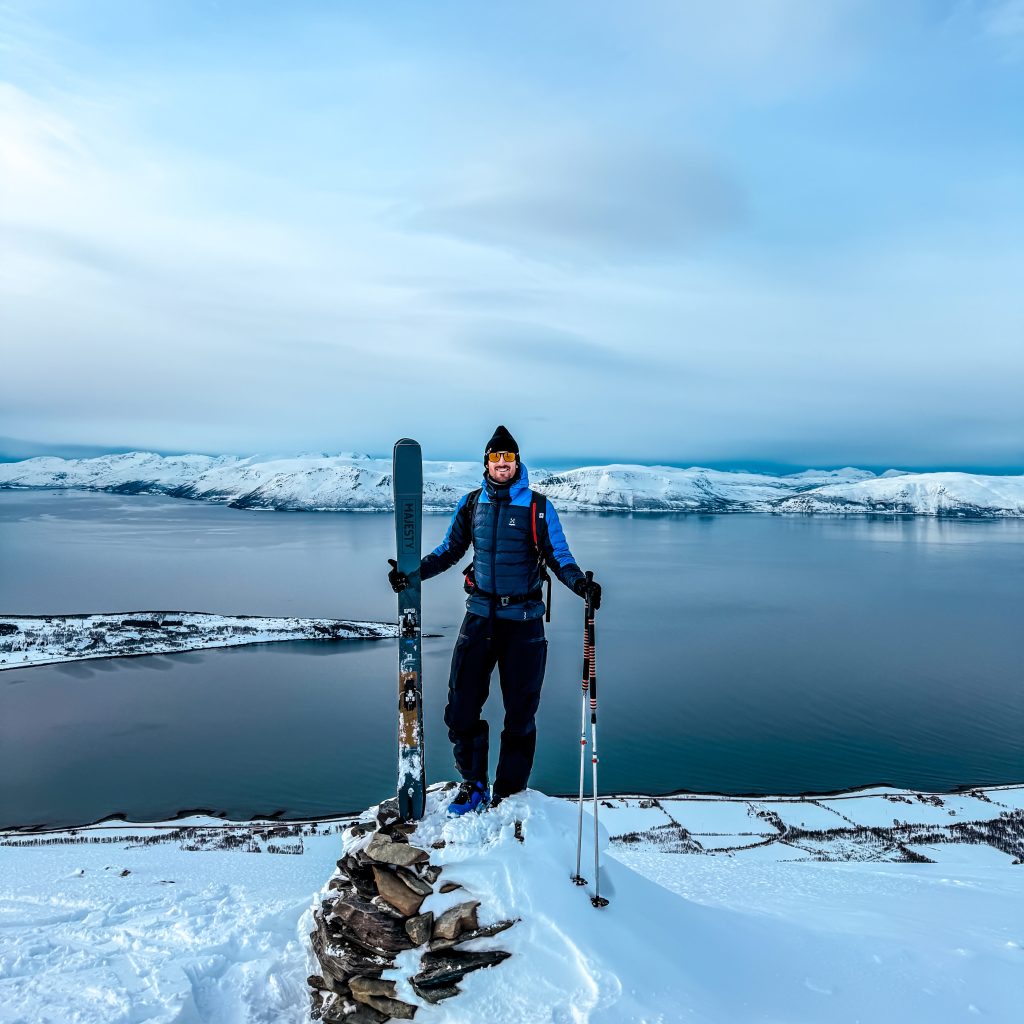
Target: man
[(515, 533)]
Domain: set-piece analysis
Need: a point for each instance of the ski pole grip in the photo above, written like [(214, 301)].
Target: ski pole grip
[(590, 600)]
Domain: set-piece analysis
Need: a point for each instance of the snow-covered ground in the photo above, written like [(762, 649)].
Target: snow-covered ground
[(27, 640), (724, 910), (357, 483)]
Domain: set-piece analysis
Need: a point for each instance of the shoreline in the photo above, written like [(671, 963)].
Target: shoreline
[(961, 513), (118, 820), (31, 641)]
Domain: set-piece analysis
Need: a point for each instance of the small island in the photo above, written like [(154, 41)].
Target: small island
[(30, 640)]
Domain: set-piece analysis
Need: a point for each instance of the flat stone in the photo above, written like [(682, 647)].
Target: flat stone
[(336, 969), (398, 892), (391, 1007), (419, 928), (360, 921), (455, 920), (333, 1010), (420, 886), (389, 911), (359, 869), (436, 994), (337, 985), (354, 864), (388, 811), (432, 872), (483, 932), (395, 831), (363, 987), (385, 851), (440, 970), (366, 1015), (449, 887), (316, 1004)]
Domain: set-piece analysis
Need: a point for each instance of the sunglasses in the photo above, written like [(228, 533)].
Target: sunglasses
[(498, 456)]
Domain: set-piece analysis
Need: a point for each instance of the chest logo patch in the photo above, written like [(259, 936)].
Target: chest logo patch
[(512, 521)]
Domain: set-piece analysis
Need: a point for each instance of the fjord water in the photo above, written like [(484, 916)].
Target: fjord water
[(737, 654)]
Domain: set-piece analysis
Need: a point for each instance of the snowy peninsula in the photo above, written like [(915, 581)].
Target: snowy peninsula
[(352, 482), (28, 640), (880, 905)]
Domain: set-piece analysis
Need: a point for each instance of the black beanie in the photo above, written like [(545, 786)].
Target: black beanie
[(502, 441)]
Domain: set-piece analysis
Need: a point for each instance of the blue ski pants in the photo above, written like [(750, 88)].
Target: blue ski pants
[(520, 651)]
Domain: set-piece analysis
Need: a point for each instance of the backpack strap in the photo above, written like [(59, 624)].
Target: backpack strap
[(469, 576), (538, 508)]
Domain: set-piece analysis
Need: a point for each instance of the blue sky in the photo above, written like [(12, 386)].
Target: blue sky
[(761, 231)]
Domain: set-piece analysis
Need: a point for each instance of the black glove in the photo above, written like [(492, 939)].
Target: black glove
[(588, 589), (398, 580)]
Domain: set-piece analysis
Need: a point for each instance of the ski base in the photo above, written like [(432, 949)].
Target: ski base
[(407, 481)]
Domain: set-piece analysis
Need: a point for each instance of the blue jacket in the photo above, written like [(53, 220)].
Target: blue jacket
[(505, 560)]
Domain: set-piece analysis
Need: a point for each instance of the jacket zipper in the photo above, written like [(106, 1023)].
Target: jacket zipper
[(494, 556)]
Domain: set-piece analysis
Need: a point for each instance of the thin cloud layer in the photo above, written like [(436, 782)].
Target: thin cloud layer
[(619, 200), (785, 231)]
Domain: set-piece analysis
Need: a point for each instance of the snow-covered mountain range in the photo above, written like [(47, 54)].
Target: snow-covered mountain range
[(353, 482)]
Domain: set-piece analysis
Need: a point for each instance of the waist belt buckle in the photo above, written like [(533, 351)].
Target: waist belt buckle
[(504, 601)]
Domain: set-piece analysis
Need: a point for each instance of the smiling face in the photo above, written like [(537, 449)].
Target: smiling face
[(501, 472)]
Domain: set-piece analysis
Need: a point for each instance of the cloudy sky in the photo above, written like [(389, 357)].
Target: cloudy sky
[(749, 232)]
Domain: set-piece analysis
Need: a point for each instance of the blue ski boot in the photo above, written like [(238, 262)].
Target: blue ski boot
[(472, 796)]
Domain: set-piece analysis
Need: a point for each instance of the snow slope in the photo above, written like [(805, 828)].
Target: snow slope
[(357, 483), (932, 494), (318, 482), (204, 928)]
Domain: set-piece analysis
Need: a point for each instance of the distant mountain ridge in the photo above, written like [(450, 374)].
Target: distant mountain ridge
[(355, 482)]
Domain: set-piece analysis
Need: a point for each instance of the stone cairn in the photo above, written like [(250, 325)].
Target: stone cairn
[(372, 914)]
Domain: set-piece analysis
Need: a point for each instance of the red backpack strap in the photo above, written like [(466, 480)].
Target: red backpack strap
[(541, 502), (545, 577)]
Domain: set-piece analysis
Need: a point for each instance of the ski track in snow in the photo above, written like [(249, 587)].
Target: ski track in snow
[(749, 935), (185, 937)]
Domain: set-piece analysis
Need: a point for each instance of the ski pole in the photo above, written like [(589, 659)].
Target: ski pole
[(597, 899), (577, 878)]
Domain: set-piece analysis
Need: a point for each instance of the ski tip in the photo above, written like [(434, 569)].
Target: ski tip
[(402, 441)]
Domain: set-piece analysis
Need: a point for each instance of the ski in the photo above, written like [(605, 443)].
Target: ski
[(407, 484)]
